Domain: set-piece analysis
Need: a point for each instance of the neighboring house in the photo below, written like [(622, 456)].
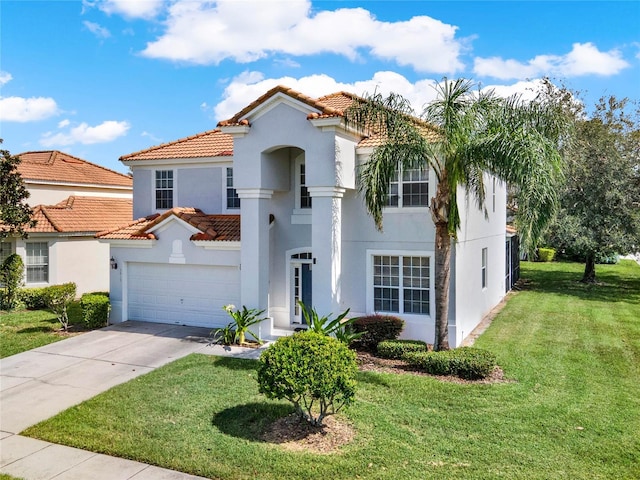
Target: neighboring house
[(72, 200), (264, 211)]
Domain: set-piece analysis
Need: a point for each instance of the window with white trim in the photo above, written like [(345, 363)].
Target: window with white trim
[(164, 189), (484, 267), (37, 262), (401, 284), (305, 196), (233, 201), (409, 189)]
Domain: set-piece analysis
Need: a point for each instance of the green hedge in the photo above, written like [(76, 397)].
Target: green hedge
[(469, 363), (95, 309), (397, 348), (546, 254), (376, 329), (33, 298)]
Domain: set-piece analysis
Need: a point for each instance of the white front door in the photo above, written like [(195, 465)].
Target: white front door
[(301, 264)]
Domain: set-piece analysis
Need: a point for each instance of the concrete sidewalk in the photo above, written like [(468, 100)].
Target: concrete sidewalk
[(40, 383)]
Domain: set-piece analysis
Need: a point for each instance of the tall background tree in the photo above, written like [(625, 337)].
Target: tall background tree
[(599, 213), (462, 135), (15, 214)]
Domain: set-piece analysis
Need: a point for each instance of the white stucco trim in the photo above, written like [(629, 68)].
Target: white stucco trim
[(216, 245), (288, 267), (129, 243), (72, 184), (327, 123), (182, 162), (405, 253), (334, 192), (254, 193), (174, 189), (173, 219), (235, 130)]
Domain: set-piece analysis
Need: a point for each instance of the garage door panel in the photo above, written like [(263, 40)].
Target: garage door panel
[(181, 294)]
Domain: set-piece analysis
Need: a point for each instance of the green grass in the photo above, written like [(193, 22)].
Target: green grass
[(572, 411), (26, 329)]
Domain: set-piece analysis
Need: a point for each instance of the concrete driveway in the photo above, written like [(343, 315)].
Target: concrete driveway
[(40, 383)]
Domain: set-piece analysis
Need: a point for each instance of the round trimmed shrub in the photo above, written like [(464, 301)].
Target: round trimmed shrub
[(95, 309), (313, 371), (546, 254), (397, 348), (376, 329), (33, 298)]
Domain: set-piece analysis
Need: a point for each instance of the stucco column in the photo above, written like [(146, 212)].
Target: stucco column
[(326, 245), (254, 250)]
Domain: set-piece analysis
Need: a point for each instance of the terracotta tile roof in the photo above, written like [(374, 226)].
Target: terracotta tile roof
[(56, 166), (212, 143), (332, 106), (81, 214), (217, 227)]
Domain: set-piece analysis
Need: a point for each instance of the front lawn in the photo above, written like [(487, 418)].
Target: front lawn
[(571, 411), (26, 329)]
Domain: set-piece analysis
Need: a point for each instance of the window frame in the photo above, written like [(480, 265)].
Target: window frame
[(484, 272), (397, 191), (29, 267), (402, 282), (231, 192), (157, 189)]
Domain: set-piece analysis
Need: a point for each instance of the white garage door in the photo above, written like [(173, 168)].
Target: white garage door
[(181, 294)]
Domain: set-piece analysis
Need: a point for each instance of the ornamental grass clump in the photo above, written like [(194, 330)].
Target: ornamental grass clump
[(313, 371)]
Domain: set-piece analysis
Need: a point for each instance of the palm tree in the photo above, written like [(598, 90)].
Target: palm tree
[(462, 135)]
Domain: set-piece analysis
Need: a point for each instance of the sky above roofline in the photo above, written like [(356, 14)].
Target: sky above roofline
[(105, 78)]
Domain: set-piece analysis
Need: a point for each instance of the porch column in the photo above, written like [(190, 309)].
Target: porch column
[(326, 245), (255, 204)]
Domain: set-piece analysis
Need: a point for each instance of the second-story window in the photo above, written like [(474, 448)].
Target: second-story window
[(164, 189), (233, 201), (305, 197), (410, 188)]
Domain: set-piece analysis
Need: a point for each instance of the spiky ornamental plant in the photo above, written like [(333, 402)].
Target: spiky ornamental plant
[(463, 134)]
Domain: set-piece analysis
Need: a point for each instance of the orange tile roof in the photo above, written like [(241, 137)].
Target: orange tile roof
[(217, 227), (81, 214), (212, 143), (57, 166)]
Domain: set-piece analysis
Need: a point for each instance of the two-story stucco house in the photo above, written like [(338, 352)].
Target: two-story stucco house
[(264, 211), (72, 200)]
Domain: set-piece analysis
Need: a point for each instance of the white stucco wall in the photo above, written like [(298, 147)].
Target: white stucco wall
[(47, 194), (82, 260), (470, 301)]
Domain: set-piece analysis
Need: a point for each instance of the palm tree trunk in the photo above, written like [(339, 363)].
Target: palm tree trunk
[(443, 271), (589, 269)]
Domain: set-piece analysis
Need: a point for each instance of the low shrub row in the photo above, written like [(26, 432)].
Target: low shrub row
[(396, 349), (469, 363)]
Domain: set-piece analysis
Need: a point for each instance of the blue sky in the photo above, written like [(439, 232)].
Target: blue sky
[(104, 78)]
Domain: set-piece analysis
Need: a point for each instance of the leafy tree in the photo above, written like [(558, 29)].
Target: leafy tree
[(461, 135), (11, 275), (599, 212), (14, 213)]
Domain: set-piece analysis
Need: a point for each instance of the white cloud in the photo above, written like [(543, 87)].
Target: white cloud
[(19, 109), (63, 123), (96, 29), (132, 8), (105, 132), (5, 77), (583, 59), (250, 85), (209, 32)]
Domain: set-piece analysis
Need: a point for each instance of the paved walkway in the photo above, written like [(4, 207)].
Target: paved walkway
[(40, 383)]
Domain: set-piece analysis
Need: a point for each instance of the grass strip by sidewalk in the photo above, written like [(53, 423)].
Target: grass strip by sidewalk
[(24, 330), (573, 410)]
